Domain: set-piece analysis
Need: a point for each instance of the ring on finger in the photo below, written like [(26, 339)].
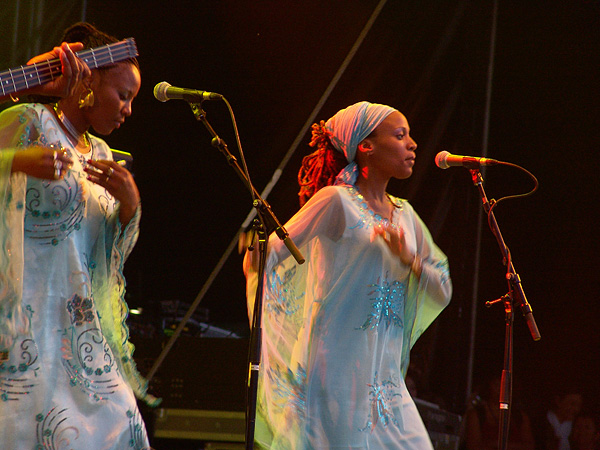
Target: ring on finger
[(57, 168), (109, 172)]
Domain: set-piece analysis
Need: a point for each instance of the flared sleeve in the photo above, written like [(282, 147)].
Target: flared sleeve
[(429, 295), (111, 251), (19, 128), (321, 217), (112, 248)]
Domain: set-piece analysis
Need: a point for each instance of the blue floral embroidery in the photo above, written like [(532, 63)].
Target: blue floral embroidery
[(282, 297), (382, 398), (290, 390), (54, 209), (387, 305), (53, 428), (18, 373), (137, 441), (88, 360)]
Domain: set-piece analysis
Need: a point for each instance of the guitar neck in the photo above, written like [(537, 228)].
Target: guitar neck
[(25, 77)]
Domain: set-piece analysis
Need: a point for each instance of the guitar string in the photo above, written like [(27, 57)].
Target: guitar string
[(20, 80), (53, 63), (44, 67), (101, 56)]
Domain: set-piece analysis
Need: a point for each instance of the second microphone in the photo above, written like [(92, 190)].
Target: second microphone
[(163, 91)]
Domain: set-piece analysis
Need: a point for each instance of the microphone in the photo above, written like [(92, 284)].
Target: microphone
[(445, 159), (164, 91)]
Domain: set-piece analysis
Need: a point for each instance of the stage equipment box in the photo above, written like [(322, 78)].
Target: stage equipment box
[(200, 425)]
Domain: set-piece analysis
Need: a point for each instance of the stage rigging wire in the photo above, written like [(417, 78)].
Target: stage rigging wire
[(478, 239)]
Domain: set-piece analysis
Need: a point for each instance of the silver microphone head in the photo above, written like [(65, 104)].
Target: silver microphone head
[(440, 159), (160, 91)]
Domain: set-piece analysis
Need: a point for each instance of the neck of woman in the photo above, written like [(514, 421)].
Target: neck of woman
[(74, 124), (372, 189), (376, 196)]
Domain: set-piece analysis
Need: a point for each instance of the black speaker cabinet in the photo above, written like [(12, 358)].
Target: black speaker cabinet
[(202, 384)]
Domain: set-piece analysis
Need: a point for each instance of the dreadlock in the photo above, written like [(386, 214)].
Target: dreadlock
[(320, 168)]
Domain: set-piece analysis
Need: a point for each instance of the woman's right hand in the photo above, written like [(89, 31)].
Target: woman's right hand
[(49, 163)]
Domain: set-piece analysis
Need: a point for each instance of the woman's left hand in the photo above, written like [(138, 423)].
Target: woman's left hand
[(119, 182), (395, 240), (73, 70)]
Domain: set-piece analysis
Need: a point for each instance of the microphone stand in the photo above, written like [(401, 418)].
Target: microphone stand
[(515, 292), (264, 226)]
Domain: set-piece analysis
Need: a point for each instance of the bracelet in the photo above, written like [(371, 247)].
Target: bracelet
[(14, 99)]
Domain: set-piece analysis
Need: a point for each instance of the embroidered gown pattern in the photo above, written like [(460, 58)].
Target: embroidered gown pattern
[(61, 386)]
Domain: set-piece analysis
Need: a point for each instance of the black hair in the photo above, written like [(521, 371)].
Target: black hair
[(92, 37)]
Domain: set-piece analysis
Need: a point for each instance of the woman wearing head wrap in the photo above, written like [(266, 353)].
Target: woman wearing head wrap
[(337, 330)]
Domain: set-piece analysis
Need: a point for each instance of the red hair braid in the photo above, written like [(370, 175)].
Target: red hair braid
[(320, 168)]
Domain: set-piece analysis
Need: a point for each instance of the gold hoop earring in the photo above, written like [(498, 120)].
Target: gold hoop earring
[(86, 99)]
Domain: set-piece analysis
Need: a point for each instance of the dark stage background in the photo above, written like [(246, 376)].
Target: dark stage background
[(273, 61)]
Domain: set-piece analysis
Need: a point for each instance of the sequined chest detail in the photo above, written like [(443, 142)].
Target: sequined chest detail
[(367, 218)]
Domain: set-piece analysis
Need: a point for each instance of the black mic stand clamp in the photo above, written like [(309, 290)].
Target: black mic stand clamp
[(515, 288)]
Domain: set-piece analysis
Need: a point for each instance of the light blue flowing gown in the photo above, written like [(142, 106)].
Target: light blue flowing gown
[(337, 330)]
